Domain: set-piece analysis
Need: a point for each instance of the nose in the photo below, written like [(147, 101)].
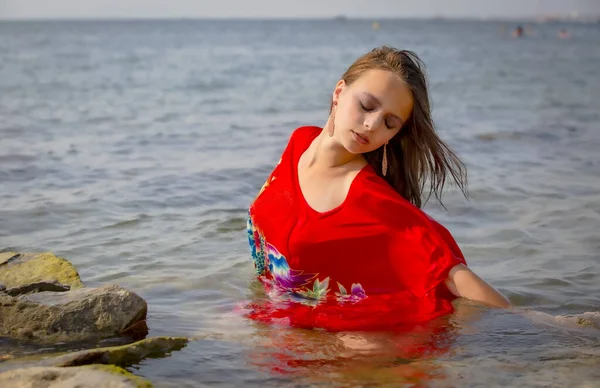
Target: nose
[(372, 121)]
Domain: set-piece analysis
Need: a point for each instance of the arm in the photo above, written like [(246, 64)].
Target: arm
[(464, 283)]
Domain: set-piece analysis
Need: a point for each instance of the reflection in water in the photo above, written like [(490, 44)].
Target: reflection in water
[(438, 353), (404, 354)]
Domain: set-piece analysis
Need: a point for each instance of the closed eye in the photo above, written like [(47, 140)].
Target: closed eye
[(368, 109), (363, 107)]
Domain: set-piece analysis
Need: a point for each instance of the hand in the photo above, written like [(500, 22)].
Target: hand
[(590, 319)]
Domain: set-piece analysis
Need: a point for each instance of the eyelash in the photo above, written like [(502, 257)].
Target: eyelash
[(369, 109)]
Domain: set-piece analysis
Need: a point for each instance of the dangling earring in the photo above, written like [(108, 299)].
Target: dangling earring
[(331, 124), (384, 163)]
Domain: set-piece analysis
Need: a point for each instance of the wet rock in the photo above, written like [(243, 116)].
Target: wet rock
[(43, 301), (74, 315), (21, 269), (123, 356), (109, 357), (97, 376)]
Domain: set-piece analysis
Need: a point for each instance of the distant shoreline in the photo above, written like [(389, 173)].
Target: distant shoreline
[(338, 19)]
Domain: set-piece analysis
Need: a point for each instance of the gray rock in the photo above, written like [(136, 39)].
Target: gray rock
[(74, 315), (97, 376)]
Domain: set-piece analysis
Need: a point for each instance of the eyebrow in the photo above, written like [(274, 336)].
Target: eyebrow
[(379, 103)]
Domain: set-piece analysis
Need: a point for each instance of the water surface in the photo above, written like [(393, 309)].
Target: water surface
[(133, 149)]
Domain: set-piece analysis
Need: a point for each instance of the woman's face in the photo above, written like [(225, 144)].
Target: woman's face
[(371, 110)]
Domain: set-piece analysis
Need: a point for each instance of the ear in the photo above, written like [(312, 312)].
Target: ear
[(339, 87)]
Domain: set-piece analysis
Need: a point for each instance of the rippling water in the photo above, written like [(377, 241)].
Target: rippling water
[(133, 149)]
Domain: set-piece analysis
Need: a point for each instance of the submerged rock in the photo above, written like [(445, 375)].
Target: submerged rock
[(96, 376), (122, 356), (72, 315), (77, 369), (21, 269)]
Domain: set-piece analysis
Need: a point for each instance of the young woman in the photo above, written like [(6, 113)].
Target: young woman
[(337, 234)]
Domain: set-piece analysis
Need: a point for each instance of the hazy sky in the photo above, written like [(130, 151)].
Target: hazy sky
[(18, 9)]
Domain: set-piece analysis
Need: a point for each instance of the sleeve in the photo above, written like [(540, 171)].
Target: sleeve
[(422, 252), (297, 136), (448, 239), (297, 140)]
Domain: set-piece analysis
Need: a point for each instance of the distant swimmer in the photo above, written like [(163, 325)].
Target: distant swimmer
[(518, 32), (563, 34)]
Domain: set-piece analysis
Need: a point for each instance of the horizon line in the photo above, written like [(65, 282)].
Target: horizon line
[(340, 18)]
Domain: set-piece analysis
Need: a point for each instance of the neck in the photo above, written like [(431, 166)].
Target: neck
[(328, 153)]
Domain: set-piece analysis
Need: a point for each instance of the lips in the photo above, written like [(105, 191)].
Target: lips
[(360, 138)]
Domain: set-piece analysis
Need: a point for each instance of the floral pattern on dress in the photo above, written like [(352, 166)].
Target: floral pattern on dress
[(357, 293), (306, 288), (256, 247), (289, 279)]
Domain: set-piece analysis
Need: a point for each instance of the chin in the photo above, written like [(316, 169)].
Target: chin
[(356, 149)]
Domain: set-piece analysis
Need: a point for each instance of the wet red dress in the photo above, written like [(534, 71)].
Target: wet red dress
[(376, 261)]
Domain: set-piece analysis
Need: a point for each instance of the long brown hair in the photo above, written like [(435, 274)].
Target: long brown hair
[(416, 155)]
